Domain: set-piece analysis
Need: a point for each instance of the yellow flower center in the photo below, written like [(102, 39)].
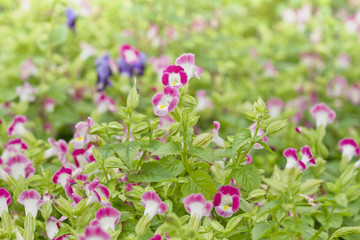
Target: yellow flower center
[(104, 199), (226, 207), (79, 139), (174, 83), (162, 106)]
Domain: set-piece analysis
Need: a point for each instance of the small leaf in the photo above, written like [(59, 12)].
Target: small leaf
[(127, 152), (276, 126), (344, 231), (247, 176), (157, 147), (201, 182), (242, 137)]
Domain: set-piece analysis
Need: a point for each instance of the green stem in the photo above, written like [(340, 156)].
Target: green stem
[(140, 161), (318, 233)]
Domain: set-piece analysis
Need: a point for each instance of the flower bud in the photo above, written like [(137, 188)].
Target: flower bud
[(203, 140)]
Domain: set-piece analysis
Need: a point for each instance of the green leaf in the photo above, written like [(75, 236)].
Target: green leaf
[(259, 230), (133, 98), (127, 152), (59, 35), (207, 155), (106, 151), (242, 137), (265, 146), (344, 231), (157, 147), (334, 221), (200, 182), (29, 226), (166, 168), (268, 207), (247, 176), (276, 126)]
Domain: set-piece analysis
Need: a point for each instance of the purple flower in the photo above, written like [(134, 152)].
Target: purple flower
[(153, 204), (227, 201), (103, 71), (165, 102), (71, 16), (349, 148), (131, 61), (196, 204)]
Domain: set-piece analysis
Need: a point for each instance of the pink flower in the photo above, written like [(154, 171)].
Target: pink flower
[(129, 53), (322, 114), (248, 160), (336, 87), (196, 204), (171, 33), (17, 127), (353, 94), (293, 161), (203, 101), (27, 69), (259, 133), (349, 148), (82, 136), (26, 93), (174, 76), (199, 24), (351, 25), (227, 201), (299, 104), (311, 60), (275, 106), (153, 204), (129, 187), (19, 165), (156, 237), (95, 233), (31, 200), (49, 105), (187, 62), (216, 138), (58, 148), (160, 64), (52, 227), (5, 200), (270, 70), (165, 102), (97, 192), (62, 176), (83, 157), (343, 61), (13, 147), (107, 217), (104, 103)]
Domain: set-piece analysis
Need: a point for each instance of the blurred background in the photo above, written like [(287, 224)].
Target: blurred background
[(293, 54)]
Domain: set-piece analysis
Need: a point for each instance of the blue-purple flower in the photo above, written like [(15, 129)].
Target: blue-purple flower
[(103, 72), (71, 16), (131, 61)]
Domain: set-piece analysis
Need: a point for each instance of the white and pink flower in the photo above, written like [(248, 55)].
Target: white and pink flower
[(19, 165), (353, 94), (12, 148), (82, 135), (130, 54), (187, 62), (322, 114), (216, 138), (165, 102), (31, 200), (26, 92), (5, 200), (61, 177), (311, 60), (104, 103), (343, 61), (349, 148), (107, 217), (153, 204), (28, 69), (17, 127), (59, 148), (49, 105), (270, 70), (52, 227), (86, 51), (83, 157), (196, 204), (260, 132), (97, 192), (248, 160), (174, 76), (227, 201), (336, 87), (160, 64), (275, 106), (95, 233), (203, 102), (292, 159)]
